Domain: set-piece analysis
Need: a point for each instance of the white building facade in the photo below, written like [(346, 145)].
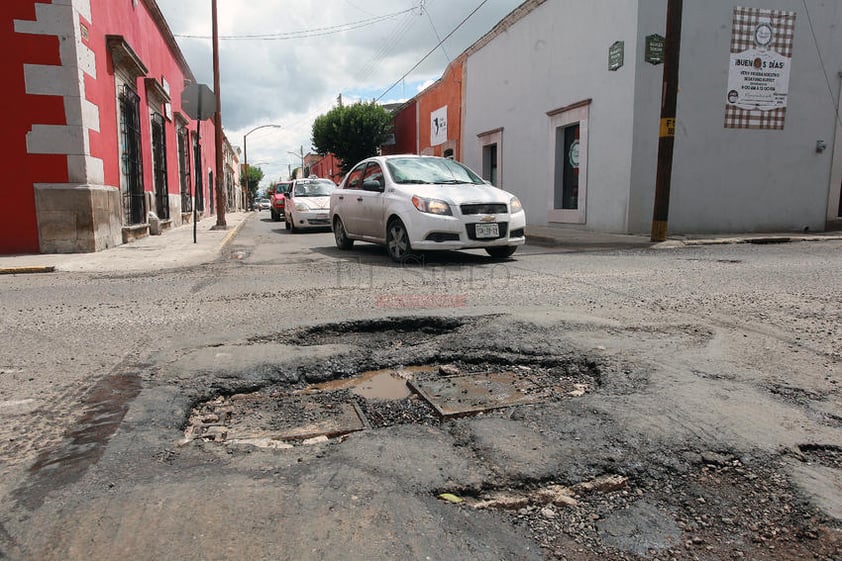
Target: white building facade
[(562, 107)]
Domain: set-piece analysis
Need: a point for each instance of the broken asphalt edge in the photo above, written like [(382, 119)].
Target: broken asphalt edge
[(26, 270), (551, 241)]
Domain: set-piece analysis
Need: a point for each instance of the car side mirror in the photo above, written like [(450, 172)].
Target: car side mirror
[(372, 185)]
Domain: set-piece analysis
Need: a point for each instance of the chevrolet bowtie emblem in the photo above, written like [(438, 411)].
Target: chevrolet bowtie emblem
[(487, 219)]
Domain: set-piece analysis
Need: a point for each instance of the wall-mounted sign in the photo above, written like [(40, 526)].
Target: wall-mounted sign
[(616, 55), (759, 68), (654, 49), (438, 126)]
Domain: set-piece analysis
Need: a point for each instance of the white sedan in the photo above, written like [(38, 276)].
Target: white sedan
[(417, 203), (308, 204)]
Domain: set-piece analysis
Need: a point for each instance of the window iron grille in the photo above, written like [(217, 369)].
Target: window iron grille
[(134, 201)]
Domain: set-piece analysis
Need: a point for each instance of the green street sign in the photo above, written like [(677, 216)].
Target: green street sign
[(654, 49), (616, 54)]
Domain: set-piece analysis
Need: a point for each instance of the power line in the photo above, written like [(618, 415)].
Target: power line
[(316, 32), (455, 29), (436, 31), (399, 32)]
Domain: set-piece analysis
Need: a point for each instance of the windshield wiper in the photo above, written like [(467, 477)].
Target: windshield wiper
[(413, 182), (452, 182)]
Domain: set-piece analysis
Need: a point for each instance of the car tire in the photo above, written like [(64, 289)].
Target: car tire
[(275, 216), (291, 226), (397, 241), (341, 237), (501, 251)]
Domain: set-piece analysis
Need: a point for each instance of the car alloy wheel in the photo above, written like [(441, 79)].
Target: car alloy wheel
[(501, 251), (342, 241), (397, 241)]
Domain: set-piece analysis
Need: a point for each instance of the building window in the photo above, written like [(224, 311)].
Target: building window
[(491, 143), (159, 166), (134, 201), (184, 168), (198, 186)]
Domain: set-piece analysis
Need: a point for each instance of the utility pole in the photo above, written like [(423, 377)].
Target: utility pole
[(220, 161), (669, 98)]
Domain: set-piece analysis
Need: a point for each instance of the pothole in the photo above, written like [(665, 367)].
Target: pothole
[(828, 455)]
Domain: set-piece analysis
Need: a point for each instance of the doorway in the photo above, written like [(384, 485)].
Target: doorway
[(569, 163)]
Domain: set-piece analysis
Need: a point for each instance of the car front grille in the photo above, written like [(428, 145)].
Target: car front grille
[(503, 228), (484, 208)]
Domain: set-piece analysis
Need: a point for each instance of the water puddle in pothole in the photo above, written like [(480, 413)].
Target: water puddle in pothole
[(389, 384), (105, 408)]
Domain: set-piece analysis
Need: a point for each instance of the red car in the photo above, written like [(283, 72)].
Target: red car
[(277, 200)]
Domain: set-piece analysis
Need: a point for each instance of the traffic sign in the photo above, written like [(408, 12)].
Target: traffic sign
[(198, 101)]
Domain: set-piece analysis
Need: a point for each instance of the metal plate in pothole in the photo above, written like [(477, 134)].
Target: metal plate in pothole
[(472, 393)]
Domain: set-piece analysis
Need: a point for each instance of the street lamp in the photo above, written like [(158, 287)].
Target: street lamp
[(246, 158), (301, 155)]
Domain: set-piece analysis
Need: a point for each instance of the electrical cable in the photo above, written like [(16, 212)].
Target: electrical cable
[(436, 31), (399, 32), (316, 32), (455, 29)]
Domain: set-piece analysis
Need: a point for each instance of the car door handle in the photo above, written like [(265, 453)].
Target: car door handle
[(360, 199), (341, 198)]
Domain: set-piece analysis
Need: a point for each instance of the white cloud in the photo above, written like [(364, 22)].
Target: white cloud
[(292, 81)]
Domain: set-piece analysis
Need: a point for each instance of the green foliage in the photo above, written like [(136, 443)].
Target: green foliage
[(255, 176), (352, 132)]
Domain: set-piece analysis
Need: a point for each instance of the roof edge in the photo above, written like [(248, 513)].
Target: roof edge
[(512, 18), (162, 24)]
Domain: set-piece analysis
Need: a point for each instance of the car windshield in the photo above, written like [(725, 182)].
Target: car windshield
[(431, 170), (314, 188)]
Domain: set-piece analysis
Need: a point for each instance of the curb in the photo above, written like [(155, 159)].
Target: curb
[(230, 236), (26, 270)]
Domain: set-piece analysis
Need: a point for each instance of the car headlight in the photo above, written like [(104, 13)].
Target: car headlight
[(301, 207), (431, 206), (515, 205)]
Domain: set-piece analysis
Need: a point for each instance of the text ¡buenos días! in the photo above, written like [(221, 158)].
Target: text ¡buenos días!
[(763, 64)]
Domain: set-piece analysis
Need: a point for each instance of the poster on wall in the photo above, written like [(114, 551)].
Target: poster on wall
[(758, 76), (438, 126)]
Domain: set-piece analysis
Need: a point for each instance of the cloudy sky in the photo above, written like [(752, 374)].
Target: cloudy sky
[(286, 61)]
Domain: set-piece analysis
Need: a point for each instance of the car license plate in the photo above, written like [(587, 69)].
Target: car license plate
[(487, 231)]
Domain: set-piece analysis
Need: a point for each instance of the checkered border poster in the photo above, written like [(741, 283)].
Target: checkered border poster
[(758, 77)]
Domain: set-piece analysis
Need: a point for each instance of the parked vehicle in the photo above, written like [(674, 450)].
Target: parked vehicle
[(277, 201), (308, 204), (416, 203), (264, 204)]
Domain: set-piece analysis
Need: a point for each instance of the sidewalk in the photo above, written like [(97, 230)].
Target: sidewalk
[(172, 249), (581, 240)]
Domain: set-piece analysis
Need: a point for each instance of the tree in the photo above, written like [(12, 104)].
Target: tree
[(255, 176), (352, 132)]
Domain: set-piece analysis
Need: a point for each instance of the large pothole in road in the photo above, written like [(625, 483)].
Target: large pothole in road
[(518, 402)]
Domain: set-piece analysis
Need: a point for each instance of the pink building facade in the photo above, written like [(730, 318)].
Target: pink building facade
[(103, 151)]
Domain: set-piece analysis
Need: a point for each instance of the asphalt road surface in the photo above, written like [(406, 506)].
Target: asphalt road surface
[(296, 402)]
